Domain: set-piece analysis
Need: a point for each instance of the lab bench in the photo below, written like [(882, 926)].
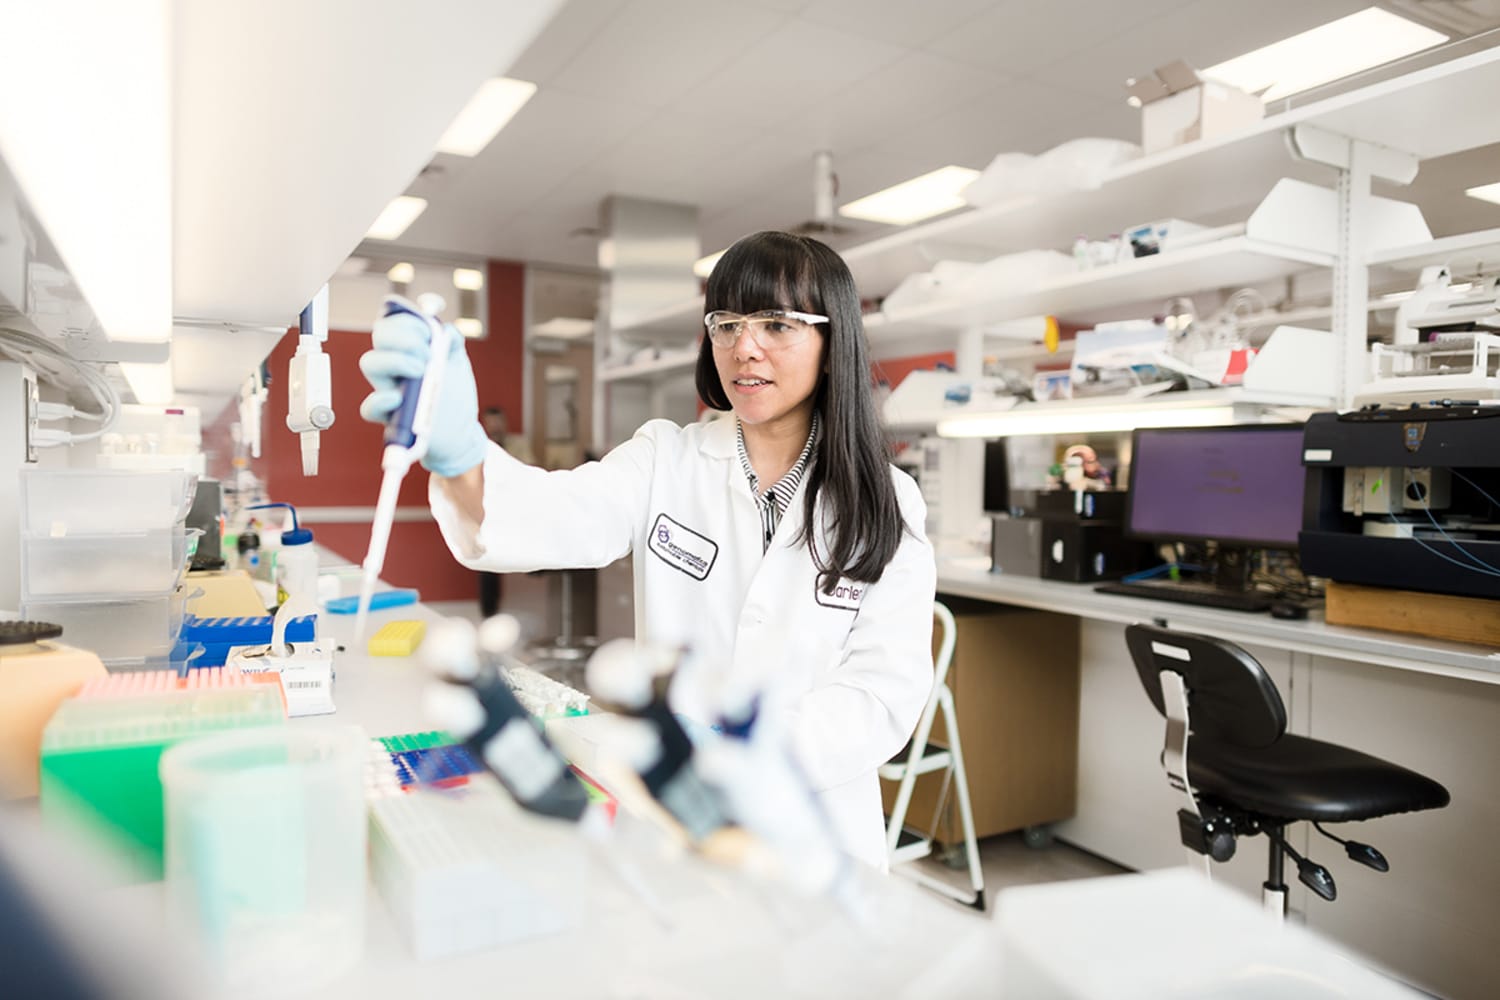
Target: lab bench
[(708, 937), (712, 938), (1428, 705)]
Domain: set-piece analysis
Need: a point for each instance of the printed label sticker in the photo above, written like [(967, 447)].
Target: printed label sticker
[(682, 548)]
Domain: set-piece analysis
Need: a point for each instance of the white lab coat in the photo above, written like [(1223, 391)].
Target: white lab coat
[(852, 670)]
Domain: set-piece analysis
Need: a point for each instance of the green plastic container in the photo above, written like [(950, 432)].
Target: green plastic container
[(100, 757)]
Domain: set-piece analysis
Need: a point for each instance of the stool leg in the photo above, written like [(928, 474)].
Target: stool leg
[(1273, 891)]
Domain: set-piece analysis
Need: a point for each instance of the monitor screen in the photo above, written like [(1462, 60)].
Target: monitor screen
[(996, 477), (1237, 485)]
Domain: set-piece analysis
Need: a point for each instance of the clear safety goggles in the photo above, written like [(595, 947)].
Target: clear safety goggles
[(771, 328)]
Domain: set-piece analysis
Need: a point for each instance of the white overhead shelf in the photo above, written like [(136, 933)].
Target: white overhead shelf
[(1000, 417), (1431, 112), (1464, 254), (677, 362), (1237, 261), (677, 323)]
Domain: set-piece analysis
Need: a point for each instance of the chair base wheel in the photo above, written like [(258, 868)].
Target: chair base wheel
[(1038, 837)]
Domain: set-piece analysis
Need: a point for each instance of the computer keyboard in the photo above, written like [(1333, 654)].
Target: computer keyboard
[(1204, 595)]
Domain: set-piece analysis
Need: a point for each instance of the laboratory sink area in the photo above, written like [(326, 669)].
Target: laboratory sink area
[(750, 498)]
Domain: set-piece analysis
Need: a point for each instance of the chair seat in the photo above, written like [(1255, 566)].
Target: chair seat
[(1297, 778)]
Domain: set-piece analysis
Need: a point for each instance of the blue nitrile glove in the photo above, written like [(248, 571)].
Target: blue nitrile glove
[(399, 349)]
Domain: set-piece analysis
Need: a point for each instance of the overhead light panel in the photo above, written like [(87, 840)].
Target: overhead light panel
[(493, 105), (911, 201), (704, 266), (1486, 192), (1332, 51), (469, 327), (395, 217), (151, 383), (468, 279), (401, 273), (1045, 419), (564, 328)]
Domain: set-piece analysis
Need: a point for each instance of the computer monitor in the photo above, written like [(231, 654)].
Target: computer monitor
[(996, 477), (1238, 486)]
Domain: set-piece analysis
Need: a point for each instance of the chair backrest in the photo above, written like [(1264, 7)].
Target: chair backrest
[(1231, 698)]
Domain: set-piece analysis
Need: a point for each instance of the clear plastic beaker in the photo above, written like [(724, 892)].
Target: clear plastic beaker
[(265, 853)]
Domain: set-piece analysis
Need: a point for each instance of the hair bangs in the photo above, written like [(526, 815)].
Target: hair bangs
[(767, 270)]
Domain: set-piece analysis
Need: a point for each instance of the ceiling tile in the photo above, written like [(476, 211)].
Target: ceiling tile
[(1203, 34), (1019, 36), (915, 87), (774, 79), (573, 27), (656, 49), (552, 137), (900, 22), (972, 133)]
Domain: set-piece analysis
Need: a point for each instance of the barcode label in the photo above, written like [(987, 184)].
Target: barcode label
[(302, 684)]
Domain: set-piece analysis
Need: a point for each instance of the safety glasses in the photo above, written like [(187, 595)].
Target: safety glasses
[(771, 328)]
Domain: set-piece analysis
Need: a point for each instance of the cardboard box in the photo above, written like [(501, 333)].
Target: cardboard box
[(1178, 106), (1014, 679), (1433, 616)]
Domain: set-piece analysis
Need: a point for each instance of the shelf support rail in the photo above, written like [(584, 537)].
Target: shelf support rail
[(1357, 162)]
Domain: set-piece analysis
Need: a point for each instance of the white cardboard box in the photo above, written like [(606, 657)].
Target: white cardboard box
[(1199, 112)]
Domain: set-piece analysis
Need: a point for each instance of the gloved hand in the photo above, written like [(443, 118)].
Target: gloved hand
[(399, 349)]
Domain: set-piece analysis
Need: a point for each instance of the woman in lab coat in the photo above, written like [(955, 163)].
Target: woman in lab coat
[(777, 542)]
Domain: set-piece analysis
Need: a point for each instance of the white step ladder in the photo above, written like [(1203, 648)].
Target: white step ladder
[(903, 846)]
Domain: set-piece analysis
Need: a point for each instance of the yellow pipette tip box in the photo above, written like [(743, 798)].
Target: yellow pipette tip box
[(397, 638)]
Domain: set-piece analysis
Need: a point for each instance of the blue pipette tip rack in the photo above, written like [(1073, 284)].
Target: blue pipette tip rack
[(378, 600)]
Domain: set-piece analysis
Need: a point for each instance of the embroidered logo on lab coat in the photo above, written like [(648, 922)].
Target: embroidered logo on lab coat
[(846, 594), (682, 548)]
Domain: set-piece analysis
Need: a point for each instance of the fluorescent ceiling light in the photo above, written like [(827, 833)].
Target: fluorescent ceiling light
[(564, 328), (704, 266), (911, 201), (1063, 419), (1486, 192), (401, 273), (109, 216), (469, 327), (1331, 51), (488, 111), (151, 383), (468, 279), (395, 217)]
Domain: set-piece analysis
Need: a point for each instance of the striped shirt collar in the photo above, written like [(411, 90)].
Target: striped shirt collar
[(774, 502)]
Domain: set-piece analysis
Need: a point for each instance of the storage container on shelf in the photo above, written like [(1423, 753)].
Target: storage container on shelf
[(120, 565), (102, 501), (120, 630)]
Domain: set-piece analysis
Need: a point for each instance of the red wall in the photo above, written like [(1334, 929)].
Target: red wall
[(893, 370), (349, 452)]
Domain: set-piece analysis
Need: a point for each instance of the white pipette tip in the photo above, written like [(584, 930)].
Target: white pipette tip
[(618, 673), (448, 650), (499, 634), (454, 709)]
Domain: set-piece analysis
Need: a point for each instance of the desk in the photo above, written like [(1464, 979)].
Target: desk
[(1429, 705)]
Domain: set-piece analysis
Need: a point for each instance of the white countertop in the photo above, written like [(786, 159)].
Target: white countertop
[(969, 576)]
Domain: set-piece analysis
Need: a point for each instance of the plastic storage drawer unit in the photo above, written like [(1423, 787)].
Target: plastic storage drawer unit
[(100, 501)]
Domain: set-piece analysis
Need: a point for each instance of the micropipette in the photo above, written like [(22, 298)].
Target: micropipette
[(406, 438)]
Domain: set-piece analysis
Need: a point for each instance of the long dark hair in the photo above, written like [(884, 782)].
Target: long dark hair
[(852, 473)]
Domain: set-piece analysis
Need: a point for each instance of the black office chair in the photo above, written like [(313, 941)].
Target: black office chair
[(1243, 774)]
